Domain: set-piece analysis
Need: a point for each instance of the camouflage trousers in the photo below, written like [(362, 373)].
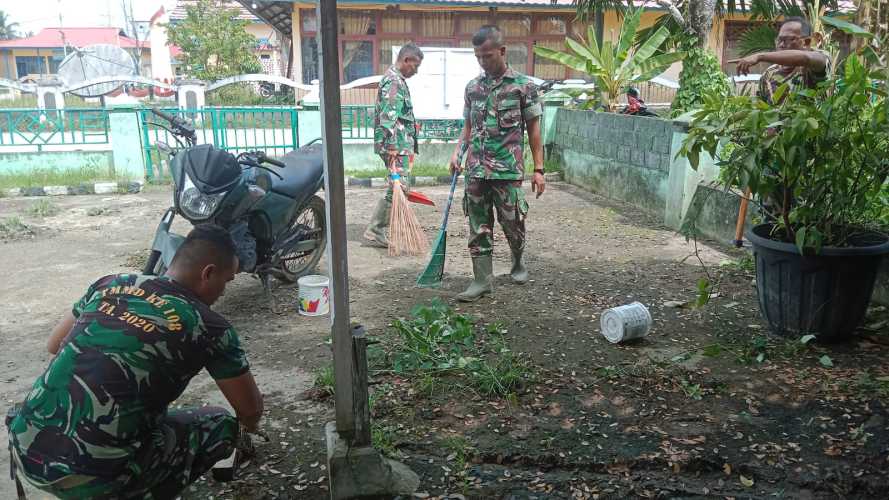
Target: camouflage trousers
[(479, 201), (402, 165), (186, 444)]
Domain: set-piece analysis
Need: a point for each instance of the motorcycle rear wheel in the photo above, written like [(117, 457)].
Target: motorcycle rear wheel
[(295, 265)]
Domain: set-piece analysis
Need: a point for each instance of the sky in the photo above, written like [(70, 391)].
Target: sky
[(33, 15)]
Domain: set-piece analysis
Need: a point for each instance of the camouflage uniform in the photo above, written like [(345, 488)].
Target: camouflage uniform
[(395, 128), (497, 110), (96, 424), (796, 77)]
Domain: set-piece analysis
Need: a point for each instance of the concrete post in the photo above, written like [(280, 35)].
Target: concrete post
[(49, 94), (190, 94), (126, 142)]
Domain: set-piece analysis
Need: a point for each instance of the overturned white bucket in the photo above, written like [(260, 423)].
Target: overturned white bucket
[(622, 323), (314, 295)]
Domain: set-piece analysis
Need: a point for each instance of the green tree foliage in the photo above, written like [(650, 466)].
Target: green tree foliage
[(7, 29), (214, 42), (614, 67)]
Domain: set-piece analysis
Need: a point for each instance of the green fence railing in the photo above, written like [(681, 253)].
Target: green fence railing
[(358, 123), (273, 130), (36, 128)]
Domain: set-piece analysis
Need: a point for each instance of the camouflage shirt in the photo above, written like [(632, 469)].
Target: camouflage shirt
[(136, 343), (497, 110), (796, 77), (394, 123)]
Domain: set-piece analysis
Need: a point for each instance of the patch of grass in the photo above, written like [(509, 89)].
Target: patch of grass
[(29, 101), (13, 228), (56, 177), (418, 171), (383, 438), (436, 342), (868, 386), (691, 390), (324, 380), (459, 449), (43, 208)]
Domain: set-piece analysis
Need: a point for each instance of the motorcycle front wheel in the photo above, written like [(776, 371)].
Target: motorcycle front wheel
[(297, 264)]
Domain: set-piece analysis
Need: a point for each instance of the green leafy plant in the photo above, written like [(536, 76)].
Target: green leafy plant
[(612, 66), (821, 154), (701, 75), (214, 41), (435, 339), (324, 383)]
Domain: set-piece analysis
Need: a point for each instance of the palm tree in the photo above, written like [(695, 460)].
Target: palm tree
[(7, 29)]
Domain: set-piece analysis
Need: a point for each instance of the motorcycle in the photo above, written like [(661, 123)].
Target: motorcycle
[(275, 217), (635, 104)]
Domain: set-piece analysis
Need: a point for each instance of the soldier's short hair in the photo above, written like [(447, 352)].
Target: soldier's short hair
[(410, 50), (805, 28), (206, 244), (486, 33)]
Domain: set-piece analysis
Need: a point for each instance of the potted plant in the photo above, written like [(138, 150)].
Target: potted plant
[(820, 160)]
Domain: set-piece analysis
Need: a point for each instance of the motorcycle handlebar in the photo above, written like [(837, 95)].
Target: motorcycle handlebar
[(163, 115), (274, 162)]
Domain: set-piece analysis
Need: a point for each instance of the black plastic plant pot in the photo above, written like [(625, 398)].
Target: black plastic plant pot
[(825, 295)]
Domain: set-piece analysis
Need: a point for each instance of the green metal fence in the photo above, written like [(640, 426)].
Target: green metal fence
[(36, 128), (358, 123), (272, 130)]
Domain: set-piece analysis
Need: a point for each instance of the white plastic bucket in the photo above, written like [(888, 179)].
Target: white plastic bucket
[(314, 295), (622, 323)]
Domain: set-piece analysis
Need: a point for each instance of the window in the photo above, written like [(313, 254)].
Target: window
[(29, 65), (551, 25), (517, 56), (547, 68), (514, 26), (309, 20), (731, 50), (386, 53), (55, 61), (357, 60), (309, 59), (357, 23)]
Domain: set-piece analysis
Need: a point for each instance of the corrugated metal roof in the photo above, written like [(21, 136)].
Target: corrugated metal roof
[(50, 38)]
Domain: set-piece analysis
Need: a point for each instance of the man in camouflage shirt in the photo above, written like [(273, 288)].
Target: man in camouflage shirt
[(794, 63), (395, 134), (500, 104), (96, 424)]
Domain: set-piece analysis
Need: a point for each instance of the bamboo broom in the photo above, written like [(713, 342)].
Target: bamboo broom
[(406, 237)]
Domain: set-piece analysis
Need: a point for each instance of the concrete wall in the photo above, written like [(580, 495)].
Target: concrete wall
[(621, 157), (58, 160)]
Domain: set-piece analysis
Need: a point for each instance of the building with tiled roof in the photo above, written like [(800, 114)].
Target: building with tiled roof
[(369, 29), (41, 54)]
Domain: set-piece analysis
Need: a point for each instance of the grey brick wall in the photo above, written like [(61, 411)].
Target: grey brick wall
[(634, 141)]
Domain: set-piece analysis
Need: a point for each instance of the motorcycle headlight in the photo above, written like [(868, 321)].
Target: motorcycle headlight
[(196, 205)]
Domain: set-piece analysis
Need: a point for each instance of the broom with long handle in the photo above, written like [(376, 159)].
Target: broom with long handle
[(406, 236), (432, 275)]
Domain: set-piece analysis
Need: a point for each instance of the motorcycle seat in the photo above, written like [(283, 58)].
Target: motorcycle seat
[(304, 171)]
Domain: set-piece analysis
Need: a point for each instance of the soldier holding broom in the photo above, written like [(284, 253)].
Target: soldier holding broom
[(500, 105), (395, 135)]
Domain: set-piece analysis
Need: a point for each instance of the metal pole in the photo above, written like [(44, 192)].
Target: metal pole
[(334, 192)]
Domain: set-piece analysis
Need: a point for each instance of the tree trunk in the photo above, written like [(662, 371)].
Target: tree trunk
[(699, 20)]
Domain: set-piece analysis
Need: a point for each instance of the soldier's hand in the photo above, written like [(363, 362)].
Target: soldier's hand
[(538, 184), (456, 164)]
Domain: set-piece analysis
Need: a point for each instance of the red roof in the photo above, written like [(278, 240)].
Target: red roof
[(49, 38)]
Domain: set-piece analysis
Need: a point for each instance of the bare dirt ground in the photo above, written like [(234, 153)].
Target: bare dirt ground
[(706, 406)]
